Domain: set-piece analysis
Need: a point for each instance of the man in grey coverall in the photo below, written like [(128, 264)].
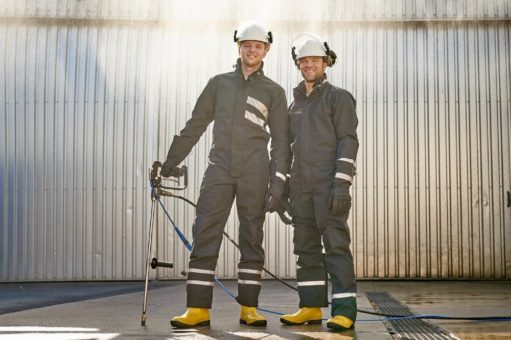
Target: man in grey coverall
[(243, 104), (324, 146)]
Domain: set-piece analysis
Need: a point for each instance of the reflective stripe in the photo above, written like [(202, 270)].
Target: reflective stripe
[(249, 271), (344, 176), (254, 119), (200, 283), (311, 283), (281, 176), (352, 161), (249, 282), (259, 106), (343, 295), (201, 271)]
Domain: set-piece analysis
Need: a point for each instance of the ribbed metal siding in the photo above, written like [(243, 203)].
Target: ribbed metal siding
[(76, 139), (434, 104), (90, 104)]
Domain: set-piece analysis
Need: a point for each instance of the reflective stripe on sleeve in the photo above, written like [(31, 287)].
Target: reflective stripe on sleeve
[(344, 176), (352, 161)]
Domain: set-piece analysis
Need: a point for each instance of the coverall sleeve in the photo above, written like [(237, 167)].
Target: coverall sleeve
[(278, 123), (345, 121), (202, 114)]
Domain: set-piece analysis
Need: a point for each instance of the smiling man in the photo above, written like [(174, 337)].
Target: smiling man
[(243, 104), (324, 146)]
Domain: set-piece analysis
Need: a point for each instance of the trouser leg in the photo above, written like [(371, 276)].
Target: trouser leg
[(213, 208), (338, 257), (250, 192), (311, 275)]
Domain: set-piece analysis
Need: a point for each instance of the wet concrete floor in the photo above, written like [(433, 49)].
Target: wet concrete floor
[(108, 310)]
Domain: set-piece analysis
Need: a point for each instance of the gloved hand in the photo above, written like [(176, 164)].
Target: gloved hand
[(280, 206), (168, 169), (340, 199)]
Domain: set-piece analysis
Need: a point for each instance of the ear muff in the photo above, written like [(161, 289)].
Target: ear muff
[(331, 57), (236, 36), (293, 54), (270, 37)]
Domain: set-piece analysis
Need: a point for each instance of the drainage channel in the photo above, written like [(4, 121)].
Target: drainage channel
[(405, 328)]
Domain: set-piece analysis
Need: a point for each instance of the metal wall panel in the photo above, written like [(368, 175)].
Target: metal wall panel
[(87, 105), (275, 11)]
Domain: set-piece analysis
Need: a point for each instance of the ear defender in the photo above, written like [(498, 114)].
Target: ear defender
[(331, 57), (293, 54)]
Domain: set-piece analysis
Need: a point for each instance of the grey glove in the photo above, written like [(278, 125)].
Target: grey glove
[(340, 199), (168, 169)]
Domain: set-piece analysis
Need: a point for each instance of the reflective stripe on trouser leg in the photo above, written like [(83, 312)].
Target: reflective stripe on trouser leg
[(338, 257), (250, 192), (213, 208), (311, 275), (249, 286)]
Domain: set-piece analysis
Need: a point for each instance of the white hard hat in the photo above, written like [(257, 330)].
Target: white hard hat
[(309, 45), (252, 30), (312, 45)]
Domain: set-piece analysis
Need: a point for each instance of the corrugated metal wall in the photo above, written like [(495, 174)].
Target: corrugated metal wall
[(91, 92)]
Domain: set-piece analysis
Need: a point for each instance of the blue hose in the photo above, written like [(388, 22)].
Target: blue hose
[(385, 317)]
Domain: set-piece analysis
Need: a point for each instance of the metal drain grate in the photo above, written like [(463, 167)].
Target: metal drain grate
[(405, 328)]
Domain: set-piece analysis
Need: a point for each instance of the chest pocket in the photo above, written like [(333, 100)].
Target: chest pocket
[(295, 119)]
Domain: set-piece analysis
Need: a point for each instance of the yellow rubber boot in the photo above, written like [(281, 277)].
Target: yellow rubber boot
[(193, 317), (340, 323), (312, 315), (250, 317)]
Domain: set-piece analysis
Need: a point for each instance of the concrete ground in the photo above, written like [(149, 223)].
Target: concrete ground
[(108, 310)]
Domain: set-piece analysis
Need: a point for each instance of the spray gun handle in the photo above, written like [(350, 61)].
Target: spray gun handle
[(184, 170), (156, 179)]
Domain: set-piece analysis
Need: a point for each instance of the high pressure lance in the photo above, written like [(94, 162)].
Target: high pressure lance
[(157, 190)]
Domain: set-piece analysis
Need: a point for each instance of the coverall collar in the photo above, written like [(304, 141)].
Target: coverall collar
[(259, 71), (300, 89)]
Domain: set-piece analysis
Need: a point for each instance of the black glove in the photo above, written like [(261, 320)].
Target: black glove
[(286, 218), (170, 170), (281, 207), (340, 199)]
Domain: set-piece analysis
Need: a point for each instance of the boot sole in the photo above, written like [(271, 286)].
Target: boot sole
[(310, 322), (178, 324), (337, 327), (258, 323)]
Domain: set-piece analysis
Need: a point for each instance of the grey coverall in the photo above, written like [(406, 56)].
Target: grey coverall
[(324, 146), (238, 167)]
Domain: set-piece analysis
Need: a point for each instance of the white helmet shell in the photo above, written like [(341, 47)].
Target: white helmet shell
[(252, 30), (309, 45)]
